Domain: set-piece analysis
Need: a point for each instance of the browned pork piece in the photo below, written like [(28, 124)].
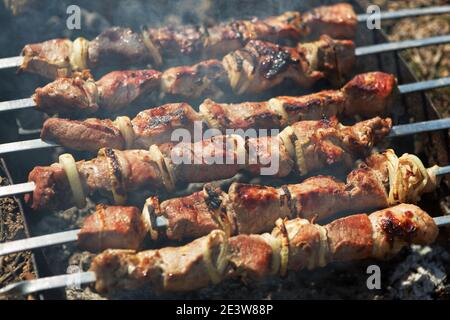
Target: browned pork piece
[(124, 47), (81, 94), (259, 66), (262, 65), (337, 21), (292, 246), (113, 227), (365, 95), (247, 209), (305, 146)]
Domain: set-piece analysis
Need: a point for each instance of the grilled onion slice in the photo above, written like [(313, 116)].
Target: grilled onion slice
[(149, 213), (152, 49), (275, 244), (126, 129), (300, 157), (278, 107), (408, 178), (79, 54), (208, 117), (70, 168), (164, 169), (285, 137), (215, 271), (284, 251)]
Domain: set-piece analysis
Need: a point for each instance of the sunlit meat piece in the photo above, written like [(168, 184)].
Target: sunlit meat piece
[(293, 245)]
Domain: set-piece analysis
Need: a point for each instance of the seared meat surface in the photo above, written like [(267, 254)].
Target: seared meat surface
[(118, 46), (112, 227), (293, 245), (249, 208), (82, 95), (263, 65), (303, 147), (337, 21), (206, 78), (255, 68), (155, 126), (365, 95), (90, 134)]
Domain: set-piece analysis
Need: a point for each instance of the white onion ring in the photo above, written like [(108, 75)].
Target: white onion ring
[(215, 273), (126, 129), (285, 137), (278, 108), (207, 117), (153, 50), (300, 158), (154, 203), (408, 178), (79, 54), (158, 157), (284, 251), (70, 168), (275, 244)]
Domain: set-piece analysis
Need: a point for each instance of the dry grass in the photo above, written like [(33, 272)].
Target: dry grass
[(429, 62)]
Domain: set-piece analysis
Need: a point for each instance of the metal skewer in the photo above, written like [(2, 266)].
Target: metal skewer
[(72, 236), (396, 131), (406, 13), (11, 62), (26, 145), (53, 239), (14, 62), (414, 128), (25, 103), (31, 286), (401, 45)]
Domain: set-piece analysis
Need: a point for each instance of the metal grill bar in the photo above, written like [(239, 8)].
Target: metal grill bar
[(54, 239), (38, 242), (401, 45), (26, 145), (11, 62), (31, 286), (406, 13), (413, 128), (424, 85), (443, 170), (16, 189), (17, 104)]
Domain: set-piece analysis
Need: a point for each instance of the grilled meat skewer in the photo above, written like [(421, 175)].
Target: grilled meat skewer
[(293, 245), (304, 147), (366, 95), (123, 47), (377, 183), (256, 68)]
